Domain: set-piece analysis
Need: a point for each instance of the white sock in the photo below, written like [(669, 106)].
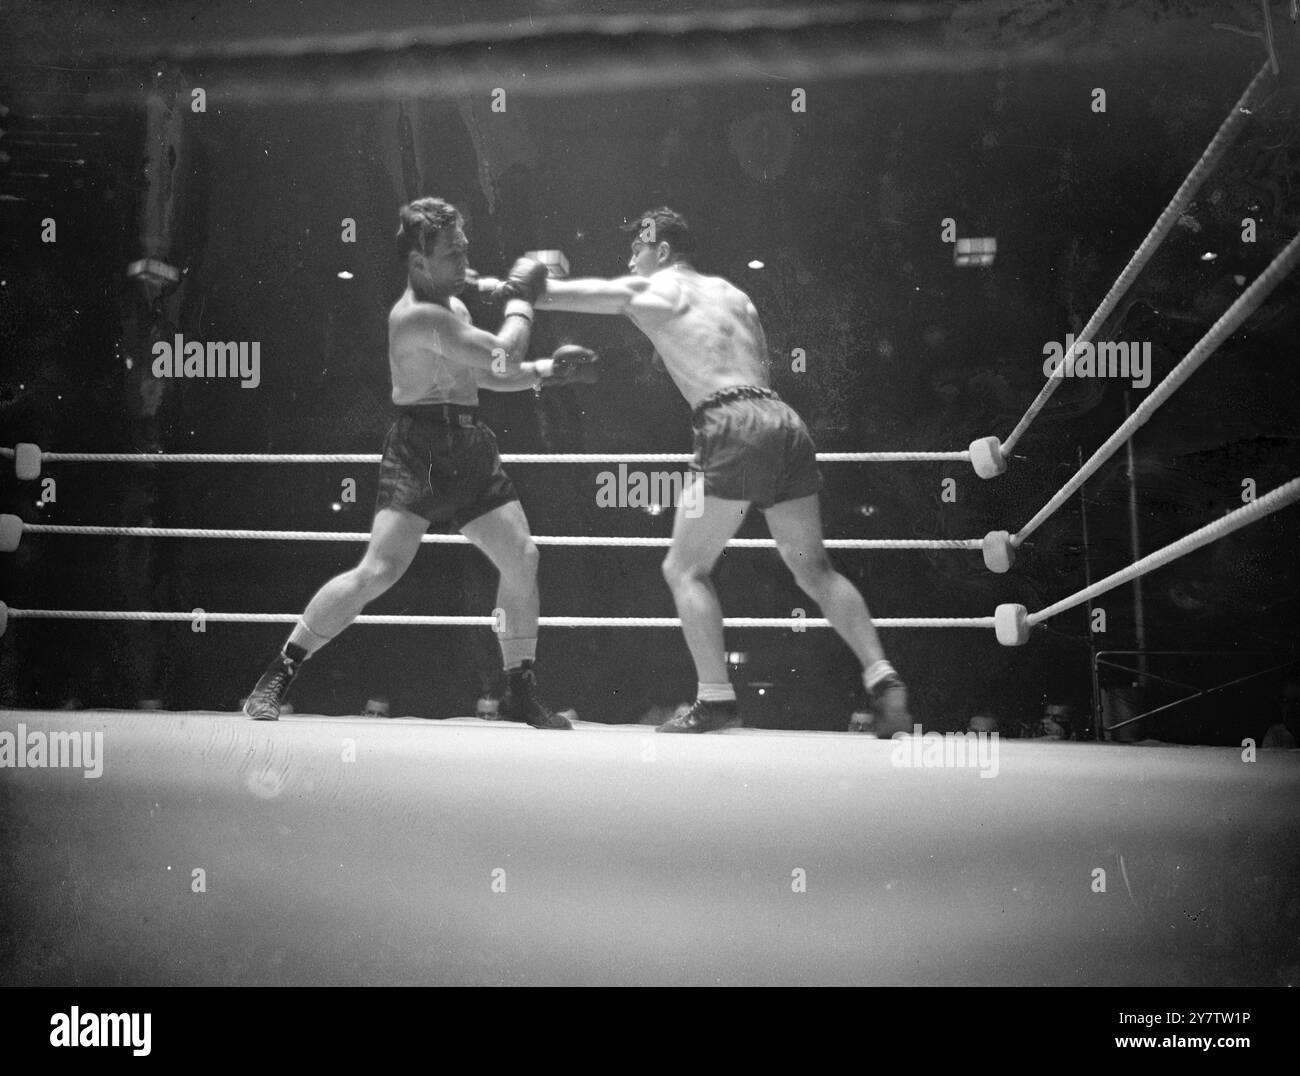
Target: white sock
[(877, 672), (716, 693), (304, 637), (514, 652)]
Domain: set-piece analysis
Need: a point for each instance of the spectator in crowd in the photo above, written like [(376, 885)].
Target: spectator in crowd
[(1278, 735), (1057, 723), (862, 721), (985, 723), (376, 706), (1283, 733)]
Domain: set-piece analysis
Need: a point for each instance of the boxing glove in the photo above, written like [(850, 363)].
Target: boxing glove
[(526, 281), (572, 364), (484, 287)]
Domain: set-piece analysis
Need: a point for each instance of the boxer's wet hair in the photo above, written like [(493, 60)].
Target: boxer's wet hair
[(419, 223), (669, 227)]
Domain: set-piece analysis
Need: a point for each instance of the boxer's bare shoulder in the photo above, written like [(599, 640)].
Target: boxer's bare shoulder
[(713, 302), (411, 320), (657, 299), (695, 291)]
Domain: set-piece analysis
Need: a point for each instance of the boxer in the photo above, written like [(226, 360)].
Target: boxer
[(750, 449), (440, 463)]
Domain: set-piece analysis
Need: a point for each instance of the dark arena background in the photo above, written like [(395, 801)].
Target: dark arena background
[(922, 201)]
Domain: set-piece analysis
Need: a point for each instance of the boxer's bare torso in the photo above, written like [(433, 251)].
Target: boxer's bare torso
[(704, 328), (422, 373)]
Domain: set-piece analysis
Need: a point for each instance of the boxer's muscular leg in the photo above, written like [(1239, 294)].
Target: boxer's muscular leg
[(504, 537), (394, 541), (699, 537), (796, 527)]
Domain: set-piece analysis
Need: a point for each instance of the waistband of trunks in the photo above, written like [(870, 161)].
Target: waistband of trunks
[(447, 414), (729, 395)]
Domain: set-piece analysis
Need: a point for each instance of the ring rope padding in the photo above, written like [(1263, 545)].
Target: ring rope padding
[(11, 532), (27, 460), (999, 553)]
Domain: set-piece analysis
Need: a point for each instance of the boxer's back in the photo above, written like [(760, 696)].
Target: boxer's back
[(707, 332)]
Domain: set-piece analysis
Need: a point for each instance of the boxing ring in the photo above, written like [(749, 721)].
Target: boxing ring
[(323, 851), (347, 852)]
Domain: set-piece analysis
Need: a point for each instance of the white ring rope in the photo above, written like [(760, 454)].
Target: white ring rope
[(793, 623), (1227, 324), (460, 539), (1270, 502), (506, 457), (1214, 152)]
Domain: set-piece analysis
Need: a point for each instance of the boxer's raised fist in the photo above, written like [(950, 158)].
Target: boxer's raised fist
[(527, 280), (572, 364)]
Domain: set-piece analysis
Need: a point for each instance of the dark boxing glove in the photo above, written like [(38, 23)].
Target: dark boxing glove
[(572, 364), (527, 280)]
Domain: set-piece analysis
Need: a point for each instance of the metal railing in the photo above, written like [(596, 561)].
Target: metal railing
[(1143, 673)]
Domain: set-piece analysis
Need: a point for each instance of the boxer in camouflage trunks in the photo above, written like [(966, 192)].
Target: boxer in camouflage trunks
[(750, 449)]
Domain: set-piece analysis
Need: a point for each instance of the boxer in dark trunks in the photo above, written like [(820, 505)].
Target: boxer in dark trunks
[(750, 449), (440, 464)]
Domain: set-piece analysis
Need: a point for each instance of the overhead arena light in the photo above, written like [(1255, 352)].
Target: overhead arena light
[(975, 252), (153, 271)]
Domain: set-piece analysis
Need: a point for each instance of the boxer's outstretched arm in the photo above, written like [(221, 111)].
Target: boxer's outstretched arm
[(590, 295)]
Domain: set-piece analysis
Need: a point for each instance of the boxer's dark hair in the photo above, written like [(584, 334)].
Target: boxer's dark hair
[(669, 227), (419, 223)]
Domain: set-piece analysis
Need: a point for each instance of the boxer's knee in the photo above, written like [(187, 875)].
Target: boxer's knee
[(517, 561), (679, 572), (374, 575), (812, 570), (527, 558)]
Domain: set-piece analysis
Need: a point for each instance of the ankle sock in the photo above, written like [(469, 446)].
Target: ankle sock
[(872, 676), (302, 638), (514, 652), (715, 693)]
